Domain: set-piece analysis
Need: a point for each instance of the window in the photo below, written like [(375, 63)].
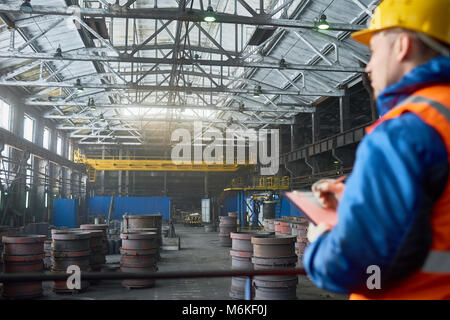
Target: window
[(28, 128), (59, 145), (27, 199), (46, 199), (70, 151), (29, 179), (4, 114), (4, 166), (46, 141)]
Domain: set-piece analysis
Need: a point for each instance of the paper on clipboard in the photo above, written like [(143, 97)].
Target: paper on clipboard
[(307, 203)]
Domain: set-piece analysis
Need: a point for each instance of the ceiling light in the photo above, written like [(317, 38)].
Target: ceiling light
[(188, 90), (322, 23), (91, 104), (257, 91), (283, 64), (210, 15), (116, 7), (26, 6), (58, 52), (102, 118), (79, 86)]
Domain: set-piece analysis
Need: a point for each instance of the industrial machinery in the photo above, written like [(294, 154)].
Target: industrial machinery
[(264, 191), (193, 220)]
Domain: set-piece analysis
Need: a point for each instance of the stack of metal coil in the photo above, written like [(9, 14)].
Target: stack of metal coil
[(241, 259), (48, 254), (99, 244), (274, 253), (139, 255), (277, 226), (23, 254), (70, 248), (227, 225), (285, 227), (269, 225), (133, 222)]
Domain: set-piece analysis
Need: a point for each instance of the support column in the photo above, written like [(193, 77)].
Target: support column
[(80, 196), (127, 178), (102, 175), (344, 113), (49, 190), (133, 189), (292, 137), (41, 188), (69, 185), (205, 185), (63, 182), (119, 189), (315, 127), (165, 183)]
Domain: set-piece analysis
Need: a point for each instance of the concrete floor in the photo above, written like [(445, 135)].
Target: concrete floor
[(199, 251)]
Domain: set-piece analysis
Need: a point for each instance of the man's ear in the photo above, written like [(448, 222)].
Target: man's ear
[(402, 47)]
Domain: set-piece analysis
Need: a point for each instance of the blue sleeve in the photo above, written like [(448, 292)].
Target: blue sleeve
[(378, 209)]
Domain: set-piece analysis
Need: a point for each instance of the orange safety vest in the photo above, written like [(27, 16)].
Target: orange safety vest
[(432, 281)]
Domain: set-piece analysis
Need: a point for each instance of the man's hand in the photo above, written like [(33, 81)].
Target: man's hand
[(328, 192), (315, 231)]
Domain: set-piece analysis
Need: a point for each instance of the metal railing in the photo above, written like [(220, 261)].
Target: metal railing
[(248, 273), (308, 180)]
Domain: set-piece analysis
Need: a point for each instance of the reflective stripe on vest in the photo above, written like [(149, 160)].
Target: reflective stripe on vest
[(437, 262), (439, 107)]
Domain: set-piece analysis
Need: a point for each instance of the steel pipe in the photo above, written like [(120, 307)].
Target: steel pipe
[(35, 276)]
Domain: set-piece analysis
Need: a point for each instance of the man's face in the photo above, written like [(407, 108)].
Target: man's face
[(382, 66)]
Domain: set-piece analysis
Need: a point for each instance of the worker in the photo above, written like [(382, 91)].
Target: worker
[(392, 238)]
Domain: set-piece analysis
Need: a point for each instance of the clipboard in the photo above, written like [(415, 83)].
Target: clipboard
[(307, 203)]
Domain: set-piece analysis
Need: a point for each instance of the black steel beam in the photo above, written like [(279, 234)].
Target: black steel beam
[(24, 145)]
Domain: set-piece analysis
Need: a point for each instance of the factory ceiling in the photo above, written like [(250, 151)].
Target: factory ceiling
[(131, 71)]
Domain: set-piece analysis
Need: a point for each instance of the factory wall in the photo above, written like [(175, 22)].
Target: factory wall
[(287, 208), (65, 213), (99, 206), (229, 204)]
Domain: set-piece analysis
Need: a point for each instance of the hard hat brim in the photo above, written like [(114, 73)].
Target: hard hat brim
[(363, 36)]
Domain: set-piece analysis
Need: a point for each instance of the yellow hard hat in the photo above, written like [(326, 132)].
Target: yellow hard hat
[(430, 17)]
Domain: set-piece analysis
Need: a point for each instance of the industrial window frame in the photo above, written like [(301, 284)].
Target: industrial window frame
[(48, 140), (59, 145), (5, 124), (25, 126)]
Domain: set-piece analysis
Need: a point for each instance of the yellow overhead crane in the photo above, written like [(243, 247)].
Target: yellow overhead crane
[(124, 163)]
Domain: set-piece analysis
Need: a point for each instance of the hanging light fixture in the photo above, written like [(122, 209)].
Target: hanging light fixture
[(91, 104), (189, 90), (116, 8), (210, 16), (26, 6), (79, 86), (257, 91), (58, 52), (322, 23), (102, 118)]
